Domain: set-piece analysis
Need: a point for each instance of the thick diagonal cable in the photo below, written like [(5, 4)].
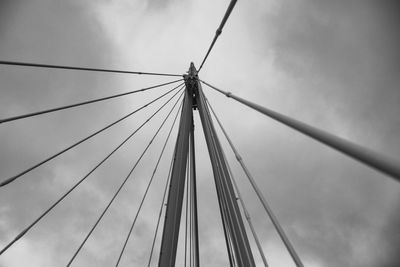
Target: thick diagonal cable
[(162, 206), (22, 233), (148, 187), (264, 202), (219, 30), (83, 103), (39, 65), (121, 186), (370, 158), (13, 178)]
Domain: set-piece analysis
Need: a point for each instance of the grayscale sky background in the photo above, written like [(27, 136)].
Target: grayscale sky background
[(332, 64)]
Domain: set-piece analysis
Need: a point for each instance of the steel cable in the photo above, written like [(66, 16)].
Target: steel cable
[(267, 208), (245, 211), (148, 186), (382, 163), (219, 30), (161, 207), (39, 65), (22, 233), (13, 178), (120, 187), (82, 103)]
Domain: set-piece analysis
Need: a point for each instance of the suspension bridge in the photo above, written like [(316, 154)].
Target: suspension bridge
[(186, 96)]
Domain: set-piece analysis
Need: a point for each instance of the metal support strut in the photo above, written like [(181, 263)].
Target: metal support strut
[(238, 246), (194, 199), (235, 232), (177, 187)]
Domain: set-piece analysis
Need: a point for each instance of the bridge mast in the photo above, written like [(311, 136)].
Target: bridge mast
[(172, 221), (238, 246)]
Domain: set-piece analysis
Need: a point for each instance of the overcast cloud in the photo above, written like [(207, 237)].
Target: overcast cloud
[(332, 64)]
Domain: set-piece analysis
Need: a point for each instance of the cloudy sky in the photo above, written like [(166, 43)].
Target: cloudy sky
[(332, 64)]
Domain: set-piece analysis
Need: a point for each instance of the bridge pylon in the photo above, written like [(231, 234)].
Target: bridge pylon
[(237, 243)]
